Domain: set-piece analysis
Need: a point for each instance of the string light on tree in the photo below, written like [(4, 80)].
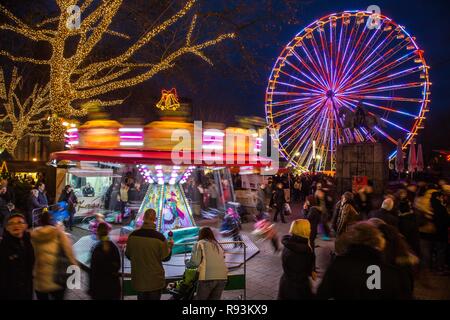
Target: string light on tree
[(75, 78), (23, 116)]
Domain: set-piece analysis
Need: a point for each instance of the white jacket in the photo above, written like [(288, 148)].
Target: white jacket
[(46, 243), (210, 261)]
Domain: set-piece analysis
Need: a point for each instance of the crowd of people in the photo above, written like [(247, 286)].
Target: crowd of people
[(402, 234)]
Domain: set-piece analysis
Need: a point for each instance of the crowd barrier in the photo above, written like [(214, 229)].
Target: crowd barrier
[(236, 281)]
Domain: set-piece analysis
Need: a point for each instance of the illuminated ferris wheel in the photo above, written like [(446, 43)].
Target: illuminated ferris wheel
[(335, 67)]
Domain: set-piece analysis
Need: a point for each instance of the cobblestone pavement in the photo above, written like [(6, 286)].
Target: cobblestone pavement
[(264, 271)]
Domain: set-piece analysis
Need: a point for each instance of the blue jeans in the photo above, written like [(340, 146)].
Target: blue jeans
[(210, 289)]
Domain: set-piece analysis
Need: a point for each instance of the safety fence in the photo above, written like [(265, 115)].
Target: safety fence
[(235, 257)]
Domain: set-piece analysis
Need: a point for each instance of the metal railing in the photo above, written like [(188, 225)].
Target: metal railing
[(36, 213), (227, 246)]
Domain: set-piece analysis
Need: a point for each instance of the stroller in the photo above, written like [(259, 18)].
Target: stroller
[(184, 289)]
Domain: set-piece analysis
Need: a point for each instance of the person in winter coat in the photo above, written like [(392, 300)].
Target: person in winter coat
[(49, 242), (441, 221), (16, 260), (398, 255), (363, 201), (68, 195), (104, 278), (298, 263), (346, 214), (278, 203), (407, 222), (146, 250), (208, 257), (260, 202), (352, 275), (32, 205), (42, 197), (386, 213), (314, 216)]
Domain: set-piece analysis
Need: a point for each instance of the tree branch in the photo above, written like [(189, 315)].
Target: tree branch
[(95, 67), (23, 59), (163, 65)]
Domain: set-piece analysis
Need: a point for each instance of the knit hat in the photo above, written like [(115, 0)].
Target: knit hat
[(300, 228)]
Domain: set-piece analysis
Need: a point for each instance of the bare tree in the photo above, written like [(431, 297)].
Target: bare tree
[(74, 77), (23, 117)]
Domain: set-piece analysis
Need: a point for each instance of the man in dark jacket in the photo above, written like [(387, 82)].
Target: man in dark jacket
[(314, 215), (407, 222), (278, 203), (42, 198), (16, 261), (32, 205), (345, 214), (386, 213), (440, 219), (360, 272), (147, 249)]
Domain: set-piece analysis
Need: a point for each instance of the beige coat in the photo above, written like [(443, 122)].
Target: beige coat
[(46, 246), (210, 261)]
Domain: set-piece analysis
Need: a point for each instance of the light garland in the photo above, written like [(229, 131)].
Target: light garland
[(69, 82), (24, 117)]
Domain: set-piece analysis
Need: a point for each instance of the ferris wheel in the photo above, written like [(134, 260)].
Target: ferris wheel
[(336, 67)]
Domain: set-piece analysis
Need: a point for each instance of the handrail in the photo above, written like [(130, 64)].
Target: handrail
[(244, 262)]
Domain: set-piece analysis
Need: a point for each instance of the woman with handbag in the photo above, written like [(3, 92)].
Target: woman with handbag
[(208, 256), (53, 255)]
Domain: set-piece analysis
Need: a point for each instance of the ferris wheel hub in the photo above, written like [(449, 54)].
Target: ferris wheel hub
[(330, 94)]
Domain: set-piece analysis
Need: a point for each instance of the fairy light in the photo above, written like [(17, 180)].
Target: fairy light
[(23, 117), (70, 82)]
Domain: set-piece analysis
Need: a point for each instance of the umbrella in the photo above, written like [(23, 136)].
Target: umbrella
[(412, 161), (419, 162), (399, 163)]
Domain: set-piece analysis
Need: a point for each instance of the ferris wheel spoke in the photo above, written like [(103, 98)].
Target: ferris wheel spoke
[(391, 139), (318, 56), (319, 81), (312, 136), (305, 118), (381, 78), (375, 63), (392, 124), (356, 49), (296, 108), (351, 71), (327, 61), (344, 56), (291, 101), (313, 87), (316, 93), (387, 88), (317, 73), (371, 57), (383, 108), (384, 98), (299, 117)]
